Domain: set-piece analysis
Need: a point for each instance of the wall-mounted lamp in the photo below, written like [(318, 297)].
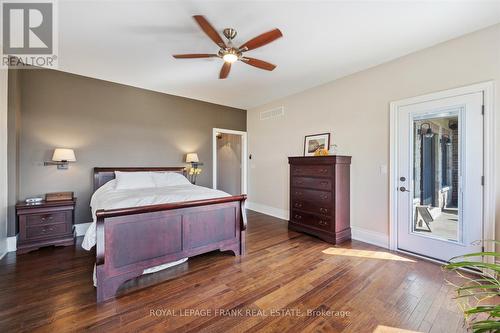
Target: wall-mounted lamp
[(427, 132), (193, 159), (62, 157), (445, 138)]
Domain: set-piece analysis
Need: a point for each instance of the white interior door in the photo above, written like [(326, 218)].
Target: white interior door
[(440, 169)]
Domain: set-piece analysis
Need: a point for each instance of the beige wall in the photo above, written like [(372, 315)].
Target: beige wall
[(3, 161), (355, 109), (229, 163), (108, 124)]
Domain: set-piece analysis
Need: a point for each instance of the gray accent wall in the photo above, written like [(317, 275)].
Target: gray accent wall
[(13, 131), (107, 124)]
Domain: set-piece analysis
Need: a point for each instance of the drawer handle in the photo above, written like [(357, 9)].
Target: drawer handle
[(323, 183), (43, 219), (323, 196), (321, 222), (323, 170), (298, 193), (297, 216), (323, 210), (299, 181), (298, 204), (44, 229)]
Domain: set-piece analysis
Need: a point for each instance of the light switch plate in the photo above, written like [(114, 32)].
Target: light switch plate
[(383, 169)]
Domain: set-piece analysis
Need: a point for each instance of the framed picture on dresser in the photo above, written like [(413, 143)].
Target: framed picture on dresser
[(316, 141)]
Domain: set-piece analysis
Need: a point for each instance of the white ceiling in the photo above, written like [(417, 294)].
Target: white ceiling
[(131, 42)]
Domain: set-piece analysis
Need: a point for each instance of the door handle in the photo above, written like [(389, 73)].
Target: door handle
[(403, 189)]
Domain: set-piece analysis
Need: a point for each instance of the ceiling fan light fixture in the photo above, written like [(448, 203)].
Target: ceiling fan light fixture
[(228, 52), (230, 57)]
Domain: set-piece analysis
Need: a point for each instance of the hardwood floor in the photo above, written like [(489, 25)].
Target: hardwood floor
[(286, 282)]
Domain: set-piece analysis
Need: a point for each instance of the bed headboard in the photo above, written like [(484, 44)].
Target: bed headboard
[(104, 175)]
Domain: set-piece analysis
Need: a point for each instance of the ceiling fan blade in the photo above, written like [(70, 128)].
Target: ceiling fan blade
[(258, 63), (209, 30), (189, 56), (224, 72), (262, 40)]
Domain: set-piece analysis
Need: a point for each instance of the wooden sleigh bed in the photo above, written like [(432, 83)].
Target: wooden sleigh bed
[(131, 240)]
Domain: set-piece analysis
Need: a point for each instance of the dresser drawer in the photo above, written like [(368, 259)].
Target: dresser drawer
[(46, 218), (312, 207), (310, 182), (313, 196), (49, 230), (312, 170), (311, 220)]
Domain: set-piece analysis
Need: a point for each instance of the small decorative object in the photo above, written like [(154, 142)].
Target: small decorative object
[(334, 149), (194, 171), (34, 200), (314, 142), (58, 196), (62, 157), (321, 152)]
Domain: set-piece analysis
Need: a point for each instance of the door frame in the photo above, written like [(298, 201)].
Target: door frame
[(488, 89), (244, 161)]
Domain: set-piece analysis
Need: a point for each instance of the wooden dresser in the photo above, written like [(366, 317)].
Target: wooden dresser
[(46, 223), (319, 196)]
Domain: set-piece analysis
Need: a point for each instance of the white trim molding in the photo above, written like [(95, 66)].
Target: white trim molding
[(81, 228), (244, 160), (268, 210), (369, 236), (488, 89), (3, 161), (12, 244)]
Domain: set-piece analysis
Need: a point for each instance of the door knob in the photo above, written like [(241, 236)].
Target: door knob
[(403, 189)]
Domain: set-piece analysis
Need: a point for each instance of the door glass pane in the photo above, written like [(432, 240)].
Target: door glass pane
[(436, 159)]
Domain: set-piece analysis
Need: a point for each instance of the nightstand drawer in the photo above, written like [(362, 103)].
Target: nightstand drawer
[(49, 230), (47, 218)]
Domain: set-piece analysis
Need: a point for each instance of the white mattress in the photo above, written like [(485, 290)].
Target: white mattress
[(107, 197)]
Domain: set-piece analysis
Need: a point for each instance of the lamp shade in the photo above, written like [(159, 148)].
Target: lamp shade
[(62, 154), (192, 158)]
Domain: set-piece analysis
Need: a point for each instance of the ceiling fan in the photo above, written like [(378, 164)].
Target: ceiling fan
[(228, 52)]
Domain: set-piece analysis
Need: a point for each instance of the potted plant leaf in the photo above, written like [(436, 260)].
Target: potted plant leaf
[(478, 293)]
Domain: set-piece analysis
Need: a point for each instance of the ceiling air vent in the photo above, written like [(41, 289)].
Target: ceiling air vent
[(273, 113)]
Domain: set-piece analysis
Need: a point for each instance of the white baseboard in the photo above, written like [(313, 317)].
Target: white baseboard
[(81, 228), (12, 243), (370, 237), (268, 210), (359, 234)]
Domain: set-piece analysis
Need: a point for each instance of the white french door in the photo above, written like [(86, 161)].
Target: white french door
[(440, 170)]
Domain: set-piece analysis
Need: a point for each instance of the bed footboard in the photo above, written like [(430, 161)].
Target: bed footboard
[(133, 239)]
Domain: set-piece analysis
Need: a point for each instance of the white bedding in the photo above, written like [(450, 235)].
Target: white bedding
[(107, 197)]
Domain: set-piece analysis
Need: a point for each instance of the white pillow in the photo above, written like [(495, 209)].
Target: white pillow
[(163, 179), (133, 180)]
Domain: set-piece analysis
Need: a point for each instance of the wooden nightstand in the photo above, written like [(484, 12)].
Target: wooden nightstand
[(44, 224)]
